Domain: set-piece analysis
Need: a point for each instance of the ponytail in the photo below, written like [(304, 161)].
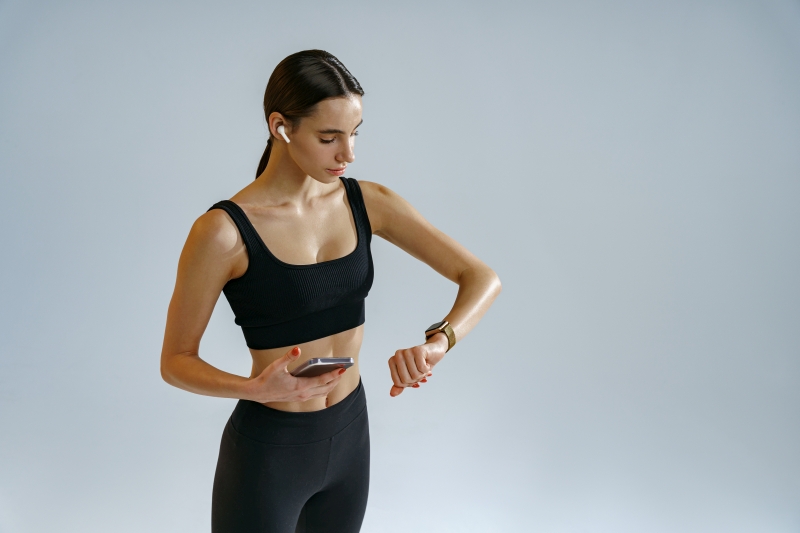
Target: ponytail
[(264, 158)]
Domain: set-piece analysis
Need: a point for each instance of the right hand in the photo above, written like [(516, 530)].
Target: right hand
[(276, 384)]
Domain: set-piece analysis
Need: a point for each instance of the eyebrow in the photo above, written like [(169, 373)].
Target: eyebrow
[(339, 131)]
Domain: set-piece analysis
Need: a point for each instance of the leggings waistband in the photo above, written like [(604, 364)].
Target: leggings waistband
[(272, 426)]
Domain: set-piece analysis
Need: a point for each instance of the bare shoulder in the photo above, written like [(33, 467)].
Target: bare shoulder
[(375, 192), (370, 187), (213, 244), (215, 231), (381, 202)]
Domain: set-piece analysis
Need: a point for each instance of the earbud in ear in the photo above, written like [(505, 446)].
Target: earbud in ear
[(282, 131)]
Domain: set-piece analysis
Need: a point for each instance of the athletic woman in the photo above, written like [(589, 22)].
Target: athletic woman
[(291, 253)]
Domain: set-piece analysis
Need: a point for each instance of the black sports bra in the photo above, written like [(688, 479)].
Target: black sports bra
[(278, 304)]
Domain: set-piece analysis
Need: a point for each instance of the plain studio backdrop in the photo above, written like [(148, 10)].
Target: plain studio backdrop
[(631, 170)]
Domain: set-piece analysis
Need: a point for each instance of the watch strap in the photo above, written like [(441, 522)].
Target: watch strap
[(445, 328)]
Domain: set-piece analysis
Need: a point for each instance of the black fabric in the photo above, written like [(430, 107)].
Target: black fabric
[(286, 472), (280, 304)]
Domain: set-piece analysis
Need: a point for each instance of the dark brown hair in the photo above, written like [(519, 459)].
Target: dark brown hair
[(299, 83)]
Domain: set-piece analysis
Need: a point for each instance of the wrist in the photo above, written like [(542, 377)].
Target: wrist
[(444, 328), (439, 339), (248, 389)]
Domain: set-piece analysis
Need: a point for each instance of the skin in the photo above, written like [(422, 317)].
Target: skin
[(300, 210)]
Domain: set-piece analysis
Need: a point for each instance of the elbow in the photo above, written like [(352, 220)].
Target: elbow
[(165, 373), (482, 276), (172, 370), (496, 285)]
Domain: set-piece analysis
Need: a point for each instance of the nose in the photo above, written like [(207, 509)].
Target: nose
[(347, 155)]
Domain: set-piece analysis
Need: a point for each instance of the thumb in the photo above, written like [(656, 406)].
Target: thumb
[(290, 356), (395, 391)]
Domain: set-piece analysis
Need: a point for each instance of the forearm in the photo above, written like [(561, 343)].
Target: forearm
[(477, 289), (189, 372)]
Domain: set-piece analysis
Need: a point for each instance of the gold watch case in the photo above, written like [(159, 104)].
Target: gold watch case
[(444, 327)]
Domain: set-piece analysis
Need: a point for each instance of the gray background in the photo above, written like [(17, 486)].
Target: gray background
[(630, 170)]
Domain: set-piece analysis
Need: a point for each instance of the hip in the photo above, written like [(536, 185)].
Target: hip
[(258, 422)]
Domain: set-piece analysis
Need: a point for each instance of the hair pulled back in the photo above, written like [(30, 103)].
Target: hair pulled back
[(299, 83)]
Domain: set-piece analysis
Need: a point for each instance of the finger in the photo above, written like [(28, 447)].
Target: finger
[(420, 358), (402, 370), (395, 391), (395, 376), (317, 388), (415, 362), (410, 364), (322, 390), (327, 377), (314, 392), (289, 356)]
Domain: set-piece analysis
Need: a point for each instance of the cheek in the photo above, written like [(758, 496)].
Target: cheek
[(307, 153), (314, 155)]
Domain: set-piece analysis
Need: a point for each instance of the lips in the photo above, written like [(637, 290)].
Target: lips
[(336, 171)]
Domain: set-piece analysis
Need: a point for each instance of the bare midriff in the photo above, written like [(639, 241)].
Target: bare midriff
[(344, 344)]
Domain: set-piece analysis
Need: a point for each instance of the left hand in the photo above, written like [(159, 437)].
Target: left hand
[(412, 366)]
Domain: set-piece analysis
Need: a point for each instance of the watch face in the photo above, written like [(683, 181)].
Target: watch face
[(434, 326)]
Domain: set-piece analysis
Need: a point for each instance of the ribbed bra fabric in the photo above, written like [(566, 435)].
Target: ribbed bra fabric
[(279, 304)]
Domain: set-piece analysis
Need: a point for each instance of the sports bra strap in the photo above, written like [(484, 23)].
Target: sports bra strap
[(359, 209), (249, 235), (252, 240)]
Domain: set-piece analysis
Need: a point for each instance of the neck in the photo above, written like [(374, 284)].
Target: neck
[(283, 181)]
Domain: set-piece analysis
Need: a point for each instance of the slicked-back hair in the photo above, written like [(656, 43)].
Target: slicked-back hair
[(299, 83)]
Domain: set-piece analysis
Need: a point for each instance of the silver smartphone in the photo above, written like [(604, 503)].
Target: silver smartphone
[(320, 365)]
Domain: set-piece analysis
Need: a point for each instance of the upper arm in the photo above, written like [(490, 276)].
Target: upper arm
[(208, 260), (394, 219)]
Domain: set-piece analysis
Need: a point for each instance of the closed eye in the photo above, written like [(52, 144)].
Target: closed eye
[(328, 141)]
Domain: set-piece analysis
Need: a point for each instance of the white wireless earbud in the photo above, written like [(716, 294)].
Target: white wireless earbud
[(282, 131)]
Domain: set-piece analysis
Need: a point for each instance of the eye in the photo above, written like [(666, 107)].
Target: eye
[(327, 141), (355, 133)]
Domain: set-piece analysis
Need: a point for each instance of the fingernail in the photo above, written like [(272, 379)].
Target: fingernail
[(424, 380), (341, 371), (295, 350), (415, 385)]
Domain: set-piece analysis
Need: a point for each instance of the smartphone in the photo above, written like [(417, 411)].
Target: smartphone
[(320, 365)]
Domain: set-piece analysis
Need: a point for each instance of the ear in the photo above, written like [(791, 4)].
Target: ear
[(276, 119)]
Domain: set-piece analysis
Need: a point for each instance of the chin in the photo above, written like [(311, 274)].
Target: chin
[(324, 177)]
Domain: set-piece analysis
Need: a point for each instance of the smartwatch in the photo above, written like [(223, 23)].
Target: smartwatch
[(444, 327)]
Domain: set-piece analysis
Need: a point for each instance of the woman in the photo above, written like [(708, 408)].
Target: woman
[(291, 252)]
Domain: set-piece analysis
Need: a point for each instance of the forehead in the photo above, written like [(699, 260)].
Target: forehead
[(343, 112)]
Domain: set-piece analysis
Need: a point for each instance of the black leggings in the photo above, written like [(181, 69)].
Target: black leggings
[(285, 472)]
